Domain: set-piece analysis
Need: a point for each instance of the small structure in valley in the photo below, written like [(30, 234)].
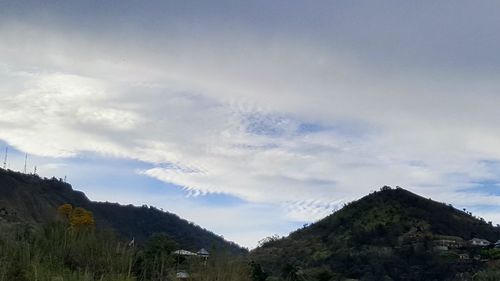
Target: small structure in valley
[(182, 267), (203, 253)]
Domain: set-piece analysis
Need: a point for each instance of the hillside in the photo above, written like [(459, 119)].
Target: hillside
[(391, 234), (29, 198)]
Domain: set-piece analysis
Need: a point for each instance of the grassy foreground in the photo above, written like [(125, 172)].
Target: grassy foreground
[(60, 252)]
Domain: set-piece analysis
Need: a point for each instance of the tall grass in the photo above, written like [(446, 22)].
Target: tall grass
[(221, 266), (56, 252)]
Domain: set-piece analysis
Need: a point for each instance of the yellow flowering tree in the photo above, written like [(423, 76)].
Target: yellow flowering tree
[(81, 217), (76, 217), (65, 211)]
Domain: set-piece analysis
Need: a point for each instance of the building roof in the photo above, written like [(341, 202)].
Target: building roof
[(480, 240), (203, 252), (184, 253)]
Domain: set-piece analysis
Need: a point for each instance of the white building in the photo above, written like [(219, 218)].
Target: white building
[(497, 244), (479, 242)]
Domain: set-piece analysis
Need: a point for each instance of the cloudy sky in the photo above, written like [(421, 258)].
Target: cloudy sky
[(252, 118)]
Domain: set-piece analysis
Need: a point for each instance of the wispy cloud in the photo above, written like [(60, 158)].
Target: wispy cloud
[(299, 114)]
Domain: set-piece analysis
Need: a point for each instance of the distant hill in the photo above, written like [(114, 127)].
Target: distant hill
[(390, 234), (29, 198)]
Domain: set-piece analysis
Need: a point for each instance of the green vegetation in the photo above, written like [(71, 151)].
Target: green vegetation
[(56, 252), (31, 199), (391, 234), (64, 251), (491, 274)]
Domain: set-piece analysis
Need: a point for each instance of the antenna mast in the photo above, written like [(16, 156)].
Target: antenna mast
[(5, 158), (25, 161)]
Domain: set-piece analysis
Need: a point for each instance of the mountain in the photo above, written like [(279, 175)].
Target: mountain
[(391, 234), (31, 199)]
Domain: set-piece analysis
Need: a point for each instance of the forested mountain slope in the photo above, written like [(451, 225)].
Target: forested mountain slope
[(391, 234), (29, 198)]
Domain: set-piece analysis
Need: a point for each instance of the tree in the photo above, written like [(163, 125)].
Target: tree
[(76, 217), (385, 188), (257, 273), (324, 275), (65, 211), (81, 218), (159, 244), (268, 240), (157, 260), (290, 272)]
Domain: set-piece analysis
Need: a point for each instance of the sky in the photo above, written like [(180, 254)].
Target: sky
[(253, 118)]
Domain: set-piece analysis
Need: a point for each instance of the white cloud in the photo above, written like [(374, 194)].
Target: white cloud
[(221, 112)]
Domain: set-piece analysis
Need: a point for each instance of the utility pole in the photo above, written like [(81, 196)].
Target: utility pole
[(5, 158)]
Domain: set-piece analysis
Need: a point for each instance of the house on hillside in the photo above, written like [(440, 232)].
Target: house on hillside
[(497, 244), (479, 242), (463, 256), (441, 248), (448, 242)]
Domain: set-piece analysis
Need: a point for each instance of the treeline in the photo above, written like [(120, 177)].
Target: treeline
[(148, 220)]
